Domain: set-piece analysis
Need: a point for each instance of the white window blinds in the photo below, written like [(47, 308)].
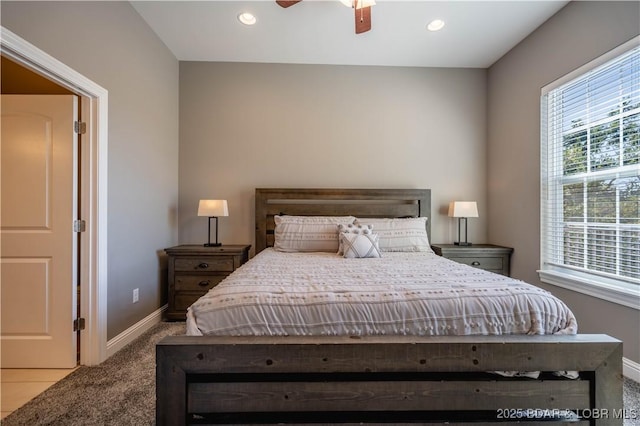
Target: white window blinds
[(590, 169)]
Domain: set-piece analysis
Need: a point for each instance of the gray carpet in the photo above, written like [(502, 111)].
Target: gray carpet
[(631, 402), (121, 391)]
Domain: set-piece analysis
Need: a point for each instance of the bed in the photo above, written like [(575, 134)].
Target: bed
[(412, 371)]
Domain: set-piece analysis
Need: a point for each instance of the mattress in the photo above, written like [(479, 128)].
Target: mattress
[(419, 293)]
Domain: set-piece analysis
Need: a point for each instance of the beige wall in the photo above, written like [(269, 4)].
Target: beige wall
[(244, 126), (110, 44), (262, 125), (577, 34)]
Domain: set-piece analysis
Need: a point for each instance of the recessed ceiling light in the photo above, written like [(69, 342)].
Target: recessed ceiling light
[(436, 25), (247, 18)]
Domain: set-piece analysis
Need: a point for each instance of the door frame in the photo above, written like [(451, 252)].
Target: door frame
[(93, 195)]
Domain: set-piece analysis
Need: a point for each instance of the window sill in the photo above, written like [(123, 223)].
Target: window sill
[(612, 293)]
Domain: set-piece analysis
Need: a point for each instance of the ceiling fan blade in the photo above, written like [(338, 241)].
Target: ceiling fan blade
[(287, 3), (363, 19)]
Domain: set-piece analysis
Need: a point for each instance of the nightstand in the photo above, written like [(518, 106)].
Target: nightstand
[(484, 256), (195, 269)]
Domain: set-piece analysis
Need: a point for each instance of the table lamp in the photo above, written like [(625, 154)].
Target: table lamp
[(213, 209), (463, 210)]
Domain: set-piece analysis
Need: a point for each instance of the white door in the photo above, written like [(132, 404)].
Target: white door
[(38, 245)]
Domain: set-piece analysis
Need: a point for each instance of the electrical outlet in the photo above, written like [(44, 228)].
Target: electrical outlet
[(136, 295)]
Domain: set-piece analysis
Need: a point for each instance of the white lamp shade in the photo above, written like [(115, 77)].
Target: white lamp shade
[(213, 208), (463, 209)]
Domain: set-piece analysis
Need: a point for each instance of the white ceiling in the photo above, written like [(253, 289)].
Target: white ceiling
[(477, 33)]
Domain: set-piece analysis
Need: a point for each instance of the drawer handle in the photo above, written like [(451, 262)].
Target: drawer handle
[(475, 263), (204, 283), (203, 265)]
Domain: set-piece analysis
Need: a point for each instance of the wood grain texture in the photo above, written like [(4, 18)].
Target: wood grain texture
[(409, 377), (411, 394), (336, 202), (194, 269), (484, 256)]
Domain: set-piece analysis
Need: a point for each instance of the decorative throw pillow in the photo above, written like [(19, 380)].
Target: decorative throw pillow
[(400, 234), (308, 233), (360, 245), (352, 228)]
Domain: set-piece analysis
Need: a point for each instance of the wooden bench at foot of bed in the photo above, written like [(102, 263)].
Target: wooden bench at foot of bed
[(214, 380)]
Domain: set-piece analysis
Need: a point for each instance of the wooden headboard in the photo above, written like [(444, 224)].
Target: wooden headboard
[(336, 202)]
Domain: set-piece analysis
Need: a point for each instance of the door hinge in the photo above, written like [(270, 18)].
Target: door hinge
[(80, 127), (79, 225), (78, 324)]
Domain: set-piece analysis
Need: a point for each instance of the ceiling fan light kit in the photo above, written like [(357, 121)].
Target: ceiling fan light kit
[(358, 4), (362, 10)]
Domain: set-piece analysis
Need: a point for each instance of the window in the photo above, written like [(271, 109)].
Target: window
[(590, 169)]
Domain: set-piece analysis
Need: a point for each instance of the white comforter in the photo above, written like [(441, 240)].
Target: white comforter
[(421, 294)]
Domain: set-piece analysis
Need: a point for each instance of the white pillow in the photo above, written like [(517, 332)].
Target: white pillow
[(400, 234), (360, 245), (308, 233), (352, 228)]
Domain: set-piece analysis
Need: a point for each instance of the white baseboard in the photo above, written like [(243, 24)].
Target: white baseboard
[(135, 331), (631, 369)]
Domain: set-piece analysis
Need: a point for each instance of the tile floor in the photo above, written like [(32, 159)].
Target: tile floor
[(19, 386)]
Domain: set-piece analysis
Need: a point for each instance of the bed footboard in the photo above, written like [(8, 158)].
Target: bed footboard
[(223, 380)]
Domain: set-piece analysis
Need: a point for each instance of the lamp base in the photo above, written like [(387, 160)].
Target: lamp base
[(212, 244), (462, 243)]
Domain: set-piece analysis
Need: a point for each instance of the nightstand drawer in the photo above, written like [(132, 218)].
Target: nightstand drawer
[(197, 282), (483, 256), (216, 264), (494, 263), (183, 300), (194, 269)]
